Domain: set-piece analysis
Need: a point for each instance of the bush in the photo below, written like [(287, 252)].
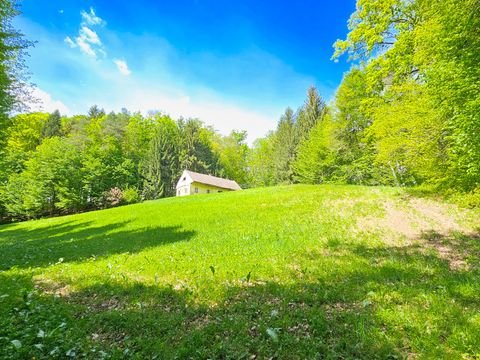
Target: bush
[(113, 197), (131, 195), (469, 200)]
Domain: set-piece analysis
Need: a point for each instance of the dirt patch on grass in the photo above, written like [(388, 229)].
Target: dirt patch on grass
[(437, 216), (426, 223), (452, 249), (394, 223), (411, 218), (399, 220), (51, 287)]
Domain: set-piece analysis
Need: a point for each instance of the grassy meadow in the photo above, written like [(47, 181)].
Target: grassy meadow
[(297, 272)]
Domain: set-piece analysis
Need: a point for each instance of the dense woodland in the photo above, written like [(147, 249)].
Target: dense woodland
[(406, 114)]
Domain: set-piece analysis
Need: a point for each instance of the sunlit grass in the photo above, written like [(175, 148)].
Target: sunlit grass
[(289, 272)]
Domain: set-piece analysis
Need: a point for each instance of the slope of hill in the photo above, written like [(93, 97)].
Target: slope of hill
[(285, 272)]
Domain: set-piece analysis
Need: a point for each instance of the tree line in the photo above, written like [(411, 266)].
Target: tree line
[(406, 114), (54, 164)]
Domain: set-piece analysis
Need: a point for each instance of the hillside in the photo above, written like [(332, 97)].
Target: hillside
[(284, 272)]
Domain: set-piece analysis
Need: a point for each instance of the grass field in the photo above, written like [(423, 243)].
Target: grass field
[(288, 272)]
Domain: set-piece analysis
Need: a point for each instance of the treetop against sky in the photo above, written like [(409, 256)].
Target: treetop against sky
[(235, 65)]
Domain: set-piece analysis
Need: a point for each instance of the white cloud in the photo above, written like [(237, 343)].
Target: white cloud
[(68, 40), (85, 47), (213, 110), (88, 40), (47, 103), (91, 18), (89, 35), (122, 67)]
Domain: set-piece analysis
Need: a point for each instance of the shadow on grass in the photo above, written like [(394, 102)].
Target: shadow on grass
[(76, 241), (404, 302)]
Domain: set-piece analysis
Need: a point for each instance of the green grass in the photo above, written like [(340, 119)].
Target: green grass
[(288, 272)]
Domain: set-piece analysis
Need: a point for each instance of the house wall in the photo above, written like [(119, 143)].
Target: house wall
[(197, 188), (183, 185), (186, 186), (183, 190)]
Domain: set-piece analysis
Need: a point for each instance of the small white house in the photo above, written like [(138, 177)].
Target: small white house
[(191, 183)]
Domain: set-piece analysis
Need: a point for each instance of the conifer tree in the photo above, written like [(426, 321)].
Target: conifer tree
[(284, 148), (161, 166), (53, 125), (312, 112)]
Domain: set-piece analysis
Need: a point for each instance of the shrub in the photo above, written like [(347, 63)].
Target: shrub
[(113, 197), (131, 195), (469, 200)]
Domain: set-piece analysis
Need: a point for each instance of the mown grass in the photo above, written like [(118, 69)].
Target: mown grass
[(289, 272)]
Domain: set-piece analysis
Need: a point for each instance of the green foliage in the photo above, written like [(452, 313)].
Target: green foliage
[(196, 143), (232, 152), (355, 150), (309, 115), (375, 25), (131, 195), (13, 46), (407, 129), (284, 148), (260, 162), (315, 161), (448, 52), (275, 159), (161, 167), (21, 139), (420, 96), (53, 125), (51, 181), (57, 165)]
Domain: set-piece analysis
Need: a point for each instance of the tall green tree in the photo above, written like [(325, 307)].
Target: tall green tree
[(285, 148), (53, 125), (161, 167), (447, 53), (429, 49), (51, 181), (406, 129), (355, 153), (310, 114), (196, 147), (232, 152), (21, 140), (315, 161), (14, 87), (13, 47), (261, 162)]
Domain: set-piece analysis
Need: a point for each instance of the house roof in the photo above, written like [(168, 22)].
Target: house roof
[(213, 180)]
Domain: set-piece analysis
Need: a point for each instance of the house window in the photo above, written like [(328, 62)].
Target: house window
[(196, 190), (185, 178)]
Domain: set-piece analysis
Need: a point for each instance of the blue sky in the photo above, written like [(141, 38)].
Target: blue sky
[(234, 64)]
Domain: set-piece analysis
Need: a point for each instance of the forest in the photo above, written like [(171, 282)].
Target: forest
[(406, 114)]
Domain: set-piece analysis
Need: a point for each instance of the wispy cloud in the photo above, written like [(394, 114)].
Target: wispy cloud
[(91, 18), (122, 67), (88, 40), (45, 102), (68, 40)]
